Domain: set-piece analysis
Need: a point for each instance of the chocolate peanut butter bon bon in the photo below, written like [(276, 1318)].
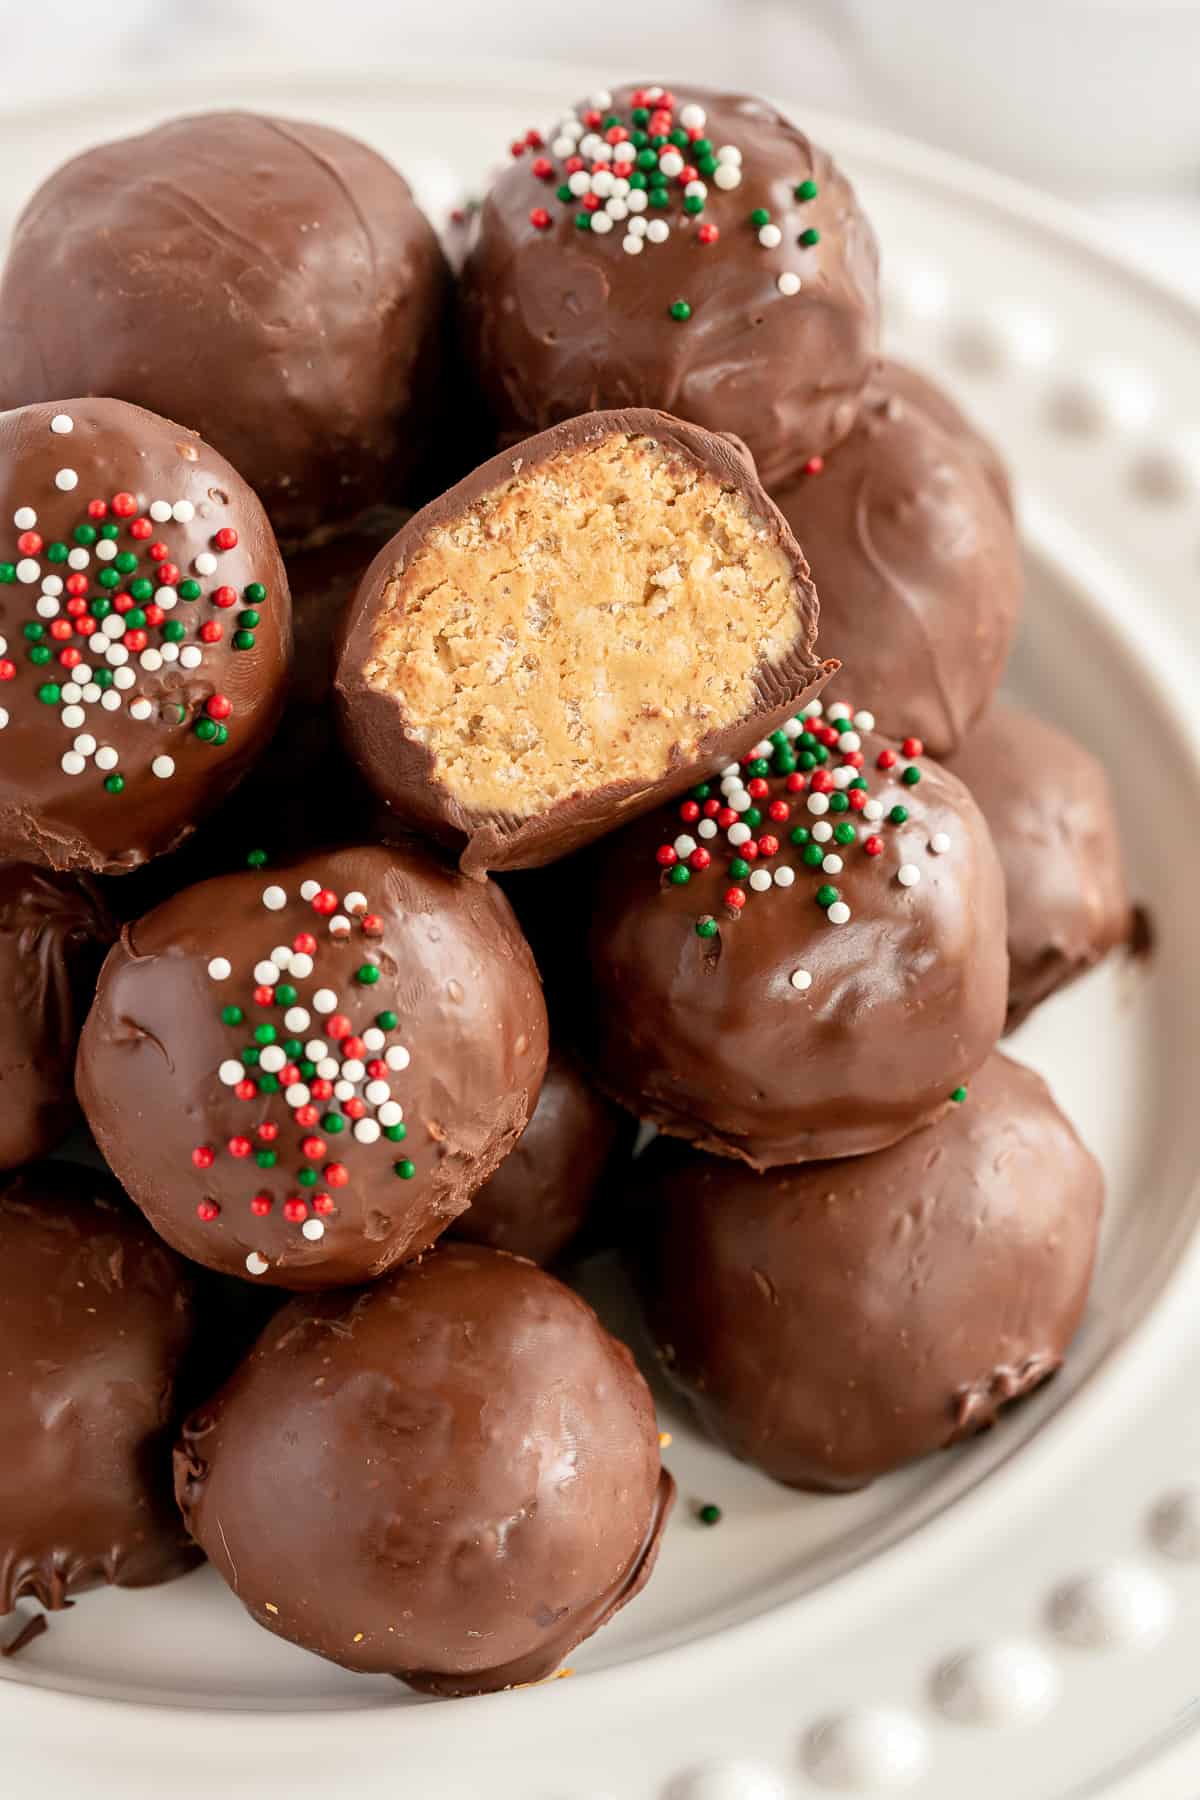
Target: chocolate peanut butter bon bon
[(585, 625), (679, 248), (452, 1476), (301, 1075)]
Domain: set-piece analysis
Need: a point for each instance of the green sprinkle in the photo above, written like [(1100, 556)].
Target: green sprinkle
[(8, 573), (826, 895), (760, 766), (232, 1015), (307, 1069), (266, 1159), (838, 803), (249, 619), (206, 730), (809, 238), (286, 994), (659, 140), (706, 927), (898, 815), (265, 1034), (367, 975), (844, 834), (709, 1515), (33, 631), (707, 164), (49, 693), (103, 678), (387, 1021), (647, 159), (680, 310), (702, 146), (254, 590), (114, 784), (141, 589), (807, 760), (308, 1178), (108, 578), (222, 736), (801, 834), (188, 590), (805, 190), (659, 196), (40, 654), (813, 856), (101, 607), (85, 535), (110, 531), (256, 859), (958, 1095), (268, 1084), (760, 217), (739, 868), (807, 741), (752, 816), (405, 1170), (678, 137), (702, 792), (640, 115), (681, 874), (693, 203), (57, 553), (134, 617), (333, 1123), (638, 139), (243, 640), (911, 775), (637, 179), (785, 762), (174, 632), (564, 194), (583, 221), (126, 562), (396, 1133)]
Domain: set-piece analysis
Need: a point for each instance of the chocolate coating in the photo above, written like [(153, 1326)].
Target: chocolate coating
[(95, 1319), (707, 1036), (150, 674), (452, 1476), (292, 254), (563, 320), (831, 1322), (164, 1074), (1051, 814), (539, 1199), (400, 767), (54, 931), (923, 393), (915, 559)]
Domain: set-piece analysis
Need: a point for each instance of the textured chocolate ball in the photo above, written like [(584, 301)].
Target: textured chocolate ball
[(734, 282), (1051, 814), (915, 558), (147, 634), (579, 628), (831, 1322), (95, 1320), (452, 1476), (539, 1199), (805, 960), (303, 1075), (270, 284), (54, 930)]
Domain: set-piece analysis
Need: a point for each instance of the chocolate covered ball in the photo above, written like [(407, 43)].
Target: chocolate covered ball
[(54, 930), (268, 283), (95, 1320), (686, 250), (804, 960), (146, 634), (302, 1075), (915, 558), (452, 1476), (1052, 818), (575, 631), (539, 1199), (910, 385), (831, 1322)]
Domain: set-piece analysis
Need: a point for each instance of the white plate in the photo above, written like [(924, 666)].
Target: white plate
[(802, 1645)]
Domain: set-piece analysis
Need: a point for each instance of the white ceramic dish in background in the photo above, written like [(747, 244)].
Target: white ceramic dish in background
[(987, 1624)]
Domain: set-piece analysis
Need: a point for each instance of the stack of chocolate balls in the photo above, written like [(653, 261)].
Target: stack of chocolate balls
[(273, 721)]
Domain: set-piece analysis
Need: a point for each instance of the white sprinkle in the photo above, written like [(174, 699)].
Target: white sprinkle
[(376, 1092), (117, 655), (52, 584), (814, 709), (741, 802), (822, 831), (738, 834), (309, 890), (297, 1019), (184, 511), (658, 231), (832, 864), (794, 727), (230, 1073), (140, 709), (391, 1113), (760, 880), (638, 204), (818, 803), (343, 1090), (563, 146), (24, 518), (106, 550), (770, 236), (72, 693), (353, 1069), (316, 1049), (78, 559), (764, 747), (397, 1057), (107, 757), (579, 183), (62, 423), (220, 969), (327, 1067), (160, 511), (684, 845), (707, 828), (784, 877), (838, 710), (839, 913), (47, 607), (27, 569), (939, 843), (274, 899), (354, 902), (691, 117), (727, 176), (864, 721), (601, 223), (256, 1264), (843, 777), (66, 480), (163, 767), (601, 100), (191, 656), (302, 965), (85, 743), (788, 282), (849, 740), (165, 597), (908, 874), (339, 925), (732, 784), (73, 716), (72, 763), (671, 163), (205, 563), (297, 1094), (113, 626), (151, 659), (272, 1059), (695, 188), (3, 717), (729, 153), (801, 980), (873, 810), (313, 1230), (324, 1000), (124, 678), (616, 209), (731, 769), (110, 700), (373, 1038), (589, 145), (265, 974), (602, 183), (367, 1131)]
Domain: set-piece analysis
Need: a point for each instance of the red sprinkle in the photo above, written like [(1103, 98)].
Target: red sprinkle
[(224, 596), (779, 810), (874, 846), (76, 584), (313, 1148), (336, 1174), (304, 943), (260, 1206), (159, 552), (226, 538), (203, 1156), (913, 747), (307, 1115), (539, 218), (207, 1210), (711, 808), (822, 782), (295, 1209), (735, 897), (240, 1146), (211, 632), (795, 783), (726, 817), (140, 529), (8, 670), (886, 759), (325, 902), (699, 859), (30, 542), (354, 1109), (665, 856), (320, 1088), (768, 845), (268, 1132), (814, 465), (246, 1089), (757, 788), (264, 996), (858, 798), (124, 505), (543, 168), (322, 1203), (708, 234), (97, 509), (339, 1026), (689, 812)]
